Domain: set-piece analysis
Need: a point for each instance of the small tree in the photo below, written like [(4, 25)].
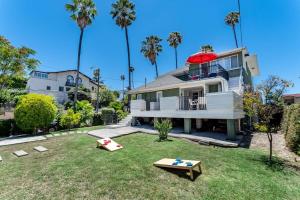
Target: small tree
[(86, 111), (163, 127), (251, 101), (266, 113), (35, 111), (70, 119)]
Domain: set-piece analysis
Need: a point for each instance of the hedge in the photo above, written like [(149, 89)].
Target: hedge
[(290, 127)]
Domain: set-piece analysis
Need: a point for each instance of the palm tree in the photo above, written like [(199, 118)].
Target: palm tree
[(174, 40), (207, 48), (123, 79), (83, 13), (232, 19), (123, 11), (151, 48)]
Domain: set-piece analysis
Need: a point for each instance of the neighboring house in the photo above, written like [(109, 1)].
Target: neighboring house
[(291, 98), (205, 96), (57, 84)]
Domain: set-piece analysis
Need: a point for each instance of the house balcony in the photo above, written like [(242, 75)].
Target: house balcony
[(220, 105), (211, 71)]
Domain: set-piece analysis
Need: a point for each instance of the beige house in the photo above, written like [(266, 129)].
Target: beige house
[(205, 96), (57, 84)]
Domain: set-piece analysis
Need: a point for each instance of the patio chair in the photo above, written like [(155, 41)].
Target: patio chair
[(192, 104)]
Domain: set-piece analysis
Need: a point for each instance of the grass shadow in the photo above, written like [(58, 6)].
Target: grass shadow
[(182, 173), (277, 164)]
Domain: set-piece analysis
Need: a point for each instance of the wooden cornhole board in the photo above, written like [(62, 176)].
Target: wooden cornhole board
[(168, 163), (109, 144)]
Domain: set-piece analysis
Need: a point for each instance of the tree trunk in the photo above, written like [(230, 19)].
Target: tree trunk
[(176, 57), (97, 101), (236, 42), (129, 65), (270, 137), (78, 67), (156, 69)]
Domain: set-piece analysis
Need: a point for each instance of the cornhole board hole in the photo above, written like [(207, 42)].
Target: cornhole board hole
[(109, 144), (187, 165)]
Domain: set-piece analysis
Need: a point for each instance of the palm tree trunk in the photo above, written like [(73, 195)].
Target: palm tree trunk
[(128, 56), (156, 68), (129, 65), (97, 101), (234, 32), (78, 66), (176, 57)]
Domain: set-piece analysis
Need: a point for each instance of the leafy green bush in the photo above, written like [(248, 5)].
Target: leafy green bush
[(86, 111), (121, 114), (116, 105), (35, 111), (70, 119), (97, 119), (163, 127), (290, 127), (107, 115), (68, 104)]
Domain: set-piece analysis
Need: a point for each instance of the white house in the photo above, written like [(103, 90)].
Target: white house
[(206, 96), (57, 84)]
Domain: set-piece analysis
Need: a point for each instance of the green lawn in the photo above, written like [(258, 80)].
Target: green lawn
[(74, 169)]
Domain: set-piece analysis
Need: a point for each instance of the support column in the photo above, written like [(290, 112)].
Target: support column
[(231, 129), (238, 125), (187, 125), (198, 123)]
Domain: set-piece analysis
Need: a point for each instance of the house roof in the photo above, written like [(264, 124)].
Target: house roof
[(162, 81), (292, 95), (168, 80), (70, 70)]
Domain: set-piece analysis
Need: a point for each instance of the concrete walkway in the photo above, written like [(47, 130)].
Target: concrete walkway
[(208, 138), (21, 140)]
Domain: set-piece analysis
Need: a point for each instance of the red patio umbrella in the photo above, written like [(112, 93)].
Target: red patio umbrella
[(200, 58)]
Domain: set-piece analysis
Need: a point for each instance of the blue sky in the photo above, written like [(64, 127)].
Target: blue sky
[(270, 29)]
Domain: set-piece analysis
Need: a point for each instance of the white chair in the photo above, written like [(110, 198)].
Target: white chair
[(193, 104)]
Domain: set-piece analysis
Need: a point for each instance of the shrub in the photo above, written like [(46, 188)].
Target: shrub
[(121, 114), (290, 127), (97, 119), (86, 111), (70, 119), (116, 105), (107, 115), (163, 127), (35, 111), (68, 104)]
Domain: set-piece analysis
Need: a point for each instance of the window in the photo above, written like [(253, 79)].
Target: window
[(213, 88), (40, 75), (48, 87), (79, 81), (70, 79), (234, 62), (230, 62), (61, 89), (93, 88)]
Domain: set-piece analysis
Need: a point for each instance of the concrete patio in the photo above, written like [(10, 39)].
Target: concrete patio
[(207, 138)]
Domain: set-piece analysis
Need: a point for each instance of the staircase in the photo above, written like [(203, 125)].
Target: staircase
[(124, 122)]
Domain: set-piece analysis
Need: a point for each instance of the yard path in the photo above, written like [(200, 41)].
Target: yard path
[(217, 139), (260, 141)]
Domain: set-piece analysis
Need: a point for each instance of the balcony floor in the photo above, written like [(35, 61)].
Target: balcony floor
[(209, 138)]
